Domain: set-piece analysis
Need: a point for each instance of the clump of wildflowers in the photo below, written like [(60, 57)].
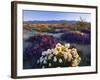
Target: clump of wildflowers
[(60, 56)]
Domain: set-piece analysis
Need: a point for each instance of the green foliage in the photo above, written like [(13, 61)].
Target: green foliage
[(82, 24)]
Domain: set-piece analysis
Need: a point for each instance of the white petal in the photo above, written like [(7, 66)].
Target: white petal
[(45, 58), (65, 56), (54, 59), (49, 64), (44, 62), (41, 59), (67, 45), (60, 60), (44, 53)]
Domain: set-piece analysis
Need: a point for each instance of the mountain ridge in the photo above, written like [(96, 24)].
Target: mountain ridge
[(50, 22)]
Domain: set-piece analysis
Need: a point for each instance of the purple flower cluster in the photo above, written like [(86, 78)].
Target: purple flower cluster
[(77, 37), (39, 43)]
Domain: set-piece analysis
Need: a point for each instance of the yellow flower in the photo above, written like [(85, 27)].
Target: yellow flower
[(76, 56), (74, 49), (75, 63), (74, 53), (58, 49), (69, 56), (67, 50)]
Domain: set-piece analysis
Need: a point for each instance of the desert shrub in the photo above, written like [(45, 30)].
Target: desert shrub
[(76, 38)]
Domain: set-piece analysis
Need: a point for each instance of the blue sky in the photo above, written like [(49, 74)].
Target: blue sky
[(31, 15)]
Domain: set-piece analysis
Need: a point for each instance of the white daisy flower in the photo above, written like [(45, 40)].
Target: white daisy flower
[(49, 64), (67, 45), (45, 57), (44, 53), (55, 52), (65, 55), (60, 60), (50, 56), (44, 62), (41, 59), (55, 59), (58, 45)]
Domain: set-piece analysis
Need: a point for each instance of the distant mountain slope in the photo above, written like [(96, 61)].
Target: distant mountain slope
[(51, 22)]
